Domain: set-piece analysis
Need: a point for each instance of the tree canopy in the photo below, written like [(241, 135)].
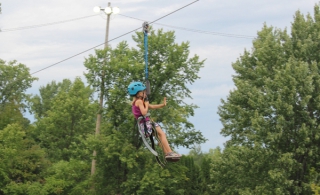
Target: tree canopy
[(275, 108)]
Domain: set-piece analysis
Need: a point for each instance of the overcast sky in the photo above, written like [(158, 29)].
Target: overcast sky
[(40, 47)]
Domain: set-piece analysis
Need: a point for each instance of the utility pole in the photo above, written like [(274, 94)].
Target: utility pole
[(107, 28), (108, 10)]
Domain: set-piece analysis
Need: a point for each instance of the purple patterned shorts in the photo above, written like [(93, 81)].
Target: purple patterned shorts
[(149, 127)]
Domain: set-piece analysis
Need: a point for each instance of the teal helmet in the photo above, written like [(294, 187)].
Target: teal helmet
[(135, 87)]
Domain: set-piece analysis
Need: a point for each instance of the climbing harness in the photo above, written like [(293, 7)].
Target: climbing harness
[(145, 134)]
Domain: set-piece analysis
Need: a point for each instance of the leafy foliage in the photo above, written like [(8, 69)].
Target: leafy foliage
[(275, 108), (10, 114), (71, 116), (42, 103), (15, 79), (22, 161)]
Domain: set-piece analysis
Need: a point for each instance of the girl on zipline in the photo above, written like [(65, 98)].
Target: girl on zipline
[(140, 106)]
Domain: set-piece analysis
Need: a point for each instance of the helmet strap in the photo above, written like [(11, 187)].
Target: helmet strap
[(139, 97)]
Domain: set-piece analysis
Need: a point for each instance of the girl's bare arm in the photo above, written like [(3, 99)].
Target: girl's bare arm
[(143, 108), (156, 106)]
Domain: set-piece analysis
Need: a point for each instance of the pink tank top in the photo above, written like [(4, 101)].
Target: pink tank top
[(137, 112)]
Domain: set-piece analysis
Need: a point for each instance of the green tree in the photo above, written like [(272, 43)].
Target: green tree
[(41, 103), (121, 161), (275, 104), (205, 176), (197, 155), (192, 184), (10, 113), (68, 177), (15, 79), (247, 170), (204, 161), (65, 125), (21, 161)]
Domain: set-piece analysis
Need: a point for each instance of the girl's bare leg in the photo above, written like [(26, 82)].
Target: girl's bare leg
[(163, 139)]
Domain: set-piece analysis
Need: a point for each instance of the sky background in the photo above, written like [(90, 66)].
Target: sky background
[(40, 47)]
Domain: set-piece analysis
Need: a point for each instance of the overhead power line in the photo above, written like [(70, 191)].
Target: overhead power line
[(42, 25), (197, 31), (112, 39), (170, 26)]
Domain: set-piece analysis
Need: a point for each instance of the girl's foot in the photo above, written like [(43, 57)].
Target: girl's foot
[(172, 155)]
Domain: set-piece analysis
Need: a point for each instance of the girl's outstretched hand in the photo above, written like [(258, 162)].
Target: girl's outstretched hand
[(165, 101)]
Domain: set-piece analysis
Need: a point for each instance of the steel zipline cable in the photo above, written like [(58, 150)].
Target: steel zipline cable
[(112, 39)]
